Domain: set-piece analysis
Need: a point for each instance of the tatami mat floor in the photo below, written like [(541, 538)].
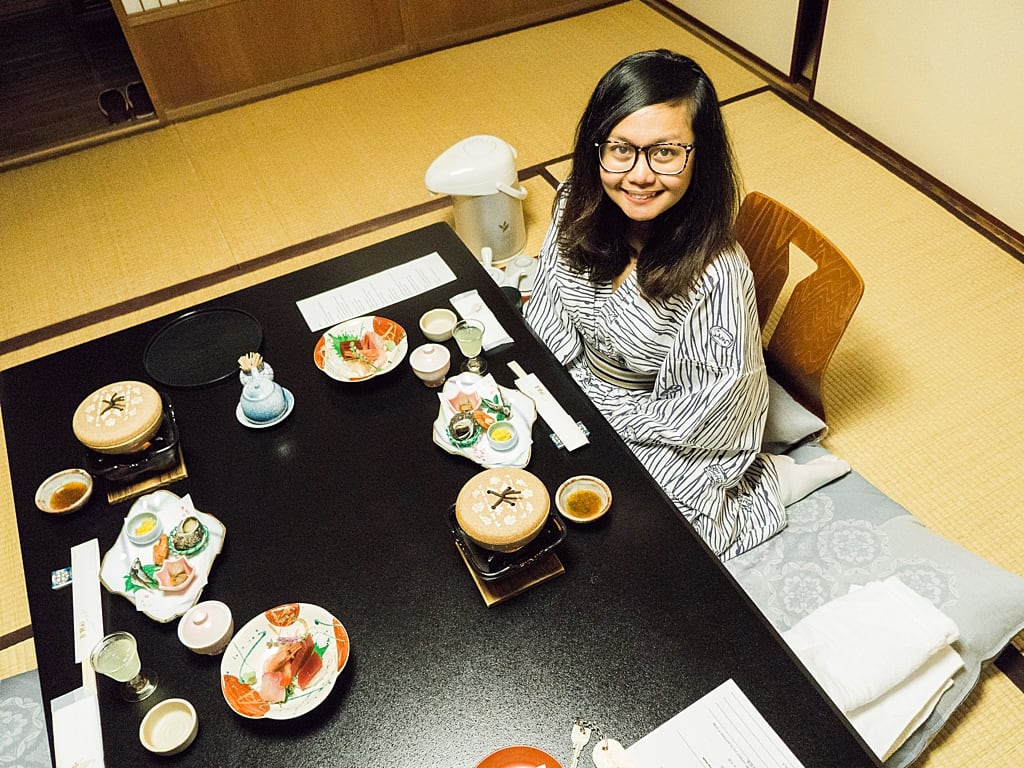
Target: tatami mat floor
[(922, 392)]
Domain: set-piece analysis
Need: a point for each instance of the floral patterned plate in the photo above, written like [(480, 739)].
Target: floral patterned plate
[(361, 348), (251, 667)]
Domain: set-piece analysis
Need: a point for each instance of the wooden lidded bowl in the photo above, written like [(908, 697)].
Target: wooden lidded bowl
[(119, 418), (503, 509)]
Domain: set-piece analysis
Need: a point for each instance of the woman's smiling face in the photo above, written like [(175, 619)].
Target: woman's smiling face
[(642, 194)]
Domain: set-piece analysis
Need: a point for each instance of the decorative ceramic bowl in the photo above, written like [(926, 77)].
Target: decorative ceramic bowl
[(169, 727), (175, 574), (64, 491), (437, 324), (583, 499), (206, 627)]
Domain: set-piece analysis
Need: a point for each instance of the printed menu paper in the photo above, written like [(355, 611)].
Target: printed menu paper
[(721, 729), (366, 295)]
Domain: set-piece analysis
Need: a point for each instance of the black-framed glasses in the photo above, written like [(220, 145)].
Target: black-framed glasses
[(667, 159)]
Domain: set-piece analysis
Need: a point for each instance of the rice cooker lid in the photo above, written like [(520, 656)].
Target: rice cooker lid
[(502, 506), (117, 415)]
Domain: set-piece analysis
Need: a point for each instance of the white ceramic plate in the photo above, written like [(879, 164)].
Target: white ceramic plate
[(159, 605), (381, 353), (241, 668)]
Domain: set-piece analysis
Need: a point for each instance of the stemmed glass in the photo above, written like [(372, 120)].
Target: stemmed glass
[(117, 656), (469, 335)]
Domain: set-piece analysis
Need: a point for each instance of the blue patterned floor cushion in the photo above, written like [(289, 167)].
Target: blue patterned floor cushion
[(849, 533)]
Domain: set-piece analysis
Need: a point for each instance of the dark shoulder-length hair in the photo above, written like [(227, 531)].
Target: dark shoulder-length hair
[(592, 237)]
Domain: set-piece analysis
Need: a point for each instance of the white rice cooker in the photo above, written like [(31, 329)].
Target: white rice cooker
[(480, 175)]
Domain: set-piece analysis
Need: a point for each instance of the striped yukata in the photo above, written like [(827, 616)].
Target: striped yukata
[(682, 381)]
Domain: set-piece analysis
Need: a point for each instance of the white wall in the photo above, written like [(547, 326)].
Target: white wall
[(941, 82), (766, 28)]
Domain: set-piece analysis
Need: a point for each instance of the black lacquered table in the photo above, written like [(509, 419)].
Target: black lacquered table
[(345, 505)]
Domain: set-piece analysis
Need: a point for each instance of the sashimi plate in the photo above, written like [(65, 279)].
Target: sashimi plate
[(254, 645), (361, 348)]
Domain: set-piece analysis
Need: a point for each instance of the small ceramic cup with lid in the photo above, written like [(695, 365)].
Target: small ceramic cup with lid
[(206, 627), (430, 363)]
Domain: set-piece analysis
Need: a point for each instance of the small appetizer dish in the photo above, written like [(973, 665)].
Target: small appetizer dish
[(64, 491), (502, 435), (142, 527), (189, 536), (169, 727), (175, 574), (583, 498)]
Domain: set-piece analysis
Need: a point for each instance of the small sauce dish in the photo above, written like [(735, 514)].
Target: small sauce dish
[(64, 491), (583, 498), (437, 324), (169, 727), (175, 574), (502, 435), (142, 527), (206, 628)]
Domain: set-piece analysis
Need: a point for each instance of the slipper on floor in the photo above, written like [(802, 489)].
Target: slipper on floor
[(114, 106), (139, 103)]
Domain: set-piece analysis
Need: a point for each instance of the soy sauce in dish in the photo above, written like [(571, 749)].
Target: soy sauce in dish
[(67, 495), (584, 504)]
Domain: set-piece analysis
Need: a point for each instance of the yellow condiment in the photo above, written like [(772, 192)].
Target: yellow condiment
[(501, 434), (145, 527)]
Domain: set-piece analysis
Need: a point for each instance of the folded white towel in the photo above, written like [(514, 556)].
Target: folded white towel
[(886, 722), (865, 643)]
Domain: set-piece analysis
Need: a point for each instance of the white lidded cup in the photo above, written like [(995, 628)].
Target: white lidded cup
[(206, 627), (430, 363)]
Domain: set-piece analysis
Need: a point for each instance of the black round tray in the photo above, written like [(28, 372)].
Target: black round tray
[(202, 347)]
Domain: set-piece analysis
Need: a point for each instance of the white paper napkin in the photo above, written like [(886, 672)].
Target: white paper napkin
[(77, 737), (470, 306)]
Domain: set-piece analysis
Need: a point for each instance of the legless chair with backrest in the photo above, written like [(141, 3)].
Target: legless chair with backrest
[(819, 307)]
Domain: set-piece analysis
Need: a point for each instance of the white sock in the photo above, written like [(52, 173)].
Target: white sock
[(798, 480)]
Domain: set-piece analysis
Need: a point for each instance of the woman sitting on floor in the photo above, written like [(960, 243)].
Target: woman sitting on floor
[(645, 296)]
